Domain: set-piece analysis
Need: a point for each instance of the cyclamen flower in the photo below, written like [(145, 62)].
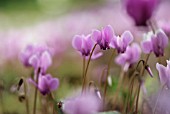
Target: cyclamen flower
[(103, 37), (164, 73), (84, 44), (155, 43), (165, 26), (121, 42), (129, 57), (84, 104), (140, 10), (46, 83), (37, 57)]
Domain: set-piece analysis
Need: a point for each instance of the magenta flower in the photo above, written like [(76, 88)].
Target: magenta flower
[(155, 43), (37, 57), (46, 83), (83, 44), (140, 10), (164, 73), (129, 57), (121, 42), (103, 37), (83, 104)]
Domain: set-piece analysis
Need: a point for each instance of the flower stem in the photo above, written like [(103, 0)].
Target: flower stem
[(131, 82), (36, 91), (26, 96), (52, 98), (141, 74), (107, 74), (85, 73), (83, 69), (130, 94), (119, 86)]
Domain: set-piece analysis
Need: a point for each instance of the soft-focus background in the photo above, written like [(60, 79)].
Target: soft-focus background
[(54, 23)]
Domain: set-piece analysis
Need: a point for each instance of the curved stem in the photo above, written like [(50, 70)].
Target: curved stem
[(26, 96), (131, 82), (85, 73), (107, 74), (141, 74)]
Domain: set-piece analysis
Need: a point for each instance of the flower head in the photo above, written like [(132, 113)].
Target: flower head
[(129, 57), (155, 43), (46, 83), (37, 57), (83, 44), (164, 73), (103, 37), (83, 104), (121, 42), (140, 10)]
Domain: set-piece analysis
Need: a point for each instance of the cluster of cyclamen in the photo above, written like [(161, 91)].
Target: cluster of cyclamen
[(39, 57), (128, 53), (106, 39)]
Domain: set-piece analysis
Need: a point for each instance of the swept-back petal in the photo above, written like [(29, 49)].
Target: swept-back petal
[(162, 37), (33, 60), (89, 42), (45, 60), (77, 42), (162, 73), (127, 38), (96, 35), (108, 32)]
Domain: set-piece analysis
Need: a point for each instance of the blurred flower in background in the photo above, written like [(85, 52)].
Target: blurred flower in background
[(141, 10)]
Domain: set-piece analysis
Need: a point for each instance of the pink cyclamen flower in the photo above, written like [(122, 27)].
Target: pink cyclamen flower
[(121, 42), (155, 43), (83, 104), (129, 57), (140, 10), (164, 73), (83, 44), (165, 26), (103, 37), (46, 83), (37, 57)]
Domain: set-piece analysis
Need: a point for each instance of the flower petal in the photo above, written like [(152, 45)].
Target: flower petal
[(113, 42), (162, 73), (96, 35), (54, 83), (42, 83), (46, 60), (89, 42), (108, 32), (163, 39), (33, 60), (146, 46), (77, 42), (136, 51), (121, 59), (127, 38)]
